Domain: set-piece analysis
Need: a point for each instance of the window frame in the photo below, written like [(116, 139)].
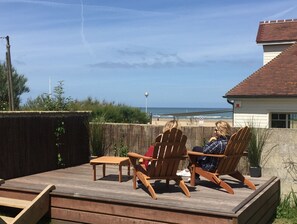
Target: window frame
[(289, 121)]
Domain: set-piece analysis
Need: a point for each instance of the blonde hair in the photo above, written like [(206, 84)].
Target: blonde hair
[(170, 124), (224, 128)]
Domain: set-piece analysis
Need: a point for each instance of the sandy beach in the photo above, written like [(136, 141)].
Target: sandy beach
[(191, 121)]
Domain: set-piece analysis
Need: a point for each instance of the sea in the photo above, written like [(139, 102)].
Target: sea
[(188, 113)]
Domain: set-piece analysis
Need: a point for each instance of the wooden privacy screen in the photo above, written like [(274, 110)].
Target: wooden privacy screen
[(30, 143)]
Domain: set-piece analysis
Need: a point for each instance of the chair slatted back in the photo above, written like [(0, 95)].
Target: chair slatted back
[(169, 150), (235, 148)]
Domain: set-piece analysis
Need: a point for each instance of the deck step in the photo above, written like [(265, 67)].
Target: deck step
[(6, 219), (14, 203)]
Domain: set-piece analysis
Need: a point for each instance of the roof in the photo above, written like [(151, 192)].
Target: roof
[(278, 78), (277, 31)]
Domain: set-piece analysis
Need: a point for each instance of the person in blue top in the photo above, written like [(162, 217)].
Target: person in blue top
[(216, 145)]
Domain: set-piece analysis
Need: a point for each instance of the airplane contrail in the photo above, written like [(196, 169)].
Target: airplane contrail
[(282, 13), (83, 38)]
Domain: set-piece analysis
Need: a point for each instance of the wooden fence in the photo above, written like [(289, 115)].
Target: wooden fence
[(138, 137), (33, 142)]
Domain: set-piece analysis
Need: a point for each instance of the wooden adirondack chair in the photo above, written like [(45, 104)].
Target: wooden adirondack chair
[(31, 211), (169, 150), (227, 162)]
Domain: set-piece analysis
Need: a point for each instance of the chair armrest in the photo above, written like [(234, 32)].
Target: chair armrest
[(138, 156), (185, 157), (192, 153), (135, 158)]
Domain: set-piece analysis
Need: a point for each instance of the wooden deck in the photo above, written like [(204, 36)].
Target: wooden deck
[(79, 199)]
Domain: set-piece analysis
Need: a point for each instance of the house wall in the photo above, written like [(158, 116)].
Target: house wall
[(280, 157), (258, 110), (242, 119), (271, 51)]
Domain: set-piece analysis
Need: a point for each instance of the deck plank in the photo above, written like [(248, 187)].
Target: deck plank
[(14, 203), (77, 182)]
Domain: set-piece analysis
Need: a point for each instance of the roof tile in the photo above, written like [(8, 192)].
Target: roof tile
[(277, 31), (276, 78)]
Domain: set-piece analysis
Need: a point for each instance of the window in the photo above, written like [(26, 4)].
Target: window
[(281, 120), (293, 120)]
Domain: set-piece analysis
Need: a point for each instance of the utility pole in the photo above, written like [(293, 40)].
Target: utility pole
[(9, 75)]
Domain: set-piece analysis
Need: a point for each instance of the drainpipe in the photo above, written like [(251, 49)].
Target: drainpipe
[(232, 103)]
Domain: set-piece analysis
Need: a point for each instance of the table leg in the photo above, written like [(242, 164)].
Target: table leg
[(94, 172), (103, 169), (120, 173), (128, 169), (134, 178)]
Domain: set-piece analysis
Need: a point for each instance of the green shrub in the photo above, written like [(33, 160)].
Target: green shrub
[(48, 102), (257, 157), (287, 209), (121, 149), (60, 134), (256, 146), (111, 112)]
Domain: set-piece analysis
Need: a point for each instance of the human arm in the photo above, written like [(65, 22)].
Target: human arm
[(212, 139), (149, 153), (215, 147), (135, 157)]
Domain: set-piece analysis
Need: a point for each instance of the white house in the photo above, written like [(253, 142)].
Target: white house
[(268, 97)]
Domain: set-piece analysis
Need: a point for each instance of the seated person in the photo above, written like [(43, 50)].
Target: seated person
[(168, 126), (216, 145)]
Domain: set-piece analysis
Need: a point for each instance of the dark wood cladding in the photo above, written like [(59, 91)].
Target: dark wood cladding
[(28, 141)]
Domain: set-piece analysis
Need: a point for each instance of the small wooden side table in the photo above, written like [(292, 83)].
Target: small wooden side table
[(103, 160)]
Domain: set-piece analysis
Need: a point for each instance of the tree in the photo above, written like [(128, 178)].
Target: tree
[(18, 87)]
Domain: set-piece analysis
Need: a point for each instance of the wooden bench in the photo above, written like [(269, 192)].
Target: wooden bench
[(31, 211), (103, 160)]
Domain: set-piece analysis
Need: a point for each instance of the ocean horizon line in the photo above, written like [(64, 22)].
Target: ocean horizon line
[(189, 112)]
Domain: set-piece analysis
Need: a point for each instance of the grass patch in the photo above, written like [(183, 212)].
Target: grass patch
[(287, 209)]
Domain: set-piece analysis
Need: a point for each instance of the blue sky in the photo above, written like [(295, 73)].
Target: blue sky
[(184, 53)]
